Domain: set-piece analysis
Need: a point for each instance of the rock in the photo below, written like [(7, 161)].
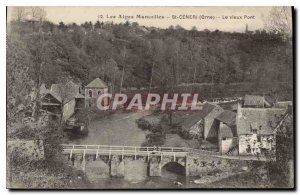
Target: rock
[(178, 183), (199, 181), (245, 168)]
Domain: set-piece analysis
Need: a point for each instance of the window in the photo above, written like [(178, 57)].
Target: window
[(90, 93), (99, 92), (259, 138)]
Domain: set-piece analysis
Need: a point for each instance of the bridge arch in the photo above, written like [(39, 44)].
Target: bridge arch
[(173, 167), (97, 169)]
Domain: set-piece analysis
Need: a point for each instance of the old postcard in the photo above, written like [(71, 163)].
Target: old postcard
[(150, 98)]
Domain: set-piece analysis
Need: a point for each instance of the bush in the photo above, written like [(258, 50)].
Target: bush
[(50, 172), (143, 124), (155, 139), (185, 134), (156, 129)]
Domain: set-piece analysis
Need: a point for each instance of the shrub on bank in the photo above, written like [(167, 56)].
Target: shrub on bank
[(48, 172)]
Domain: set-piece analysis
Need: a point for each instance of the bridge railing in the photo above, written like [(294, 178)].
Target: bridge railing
[(124, 151), (123, 148)]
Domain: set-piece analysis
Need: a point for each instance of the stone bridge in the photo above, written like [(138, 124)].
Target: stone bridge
[(117, 158)]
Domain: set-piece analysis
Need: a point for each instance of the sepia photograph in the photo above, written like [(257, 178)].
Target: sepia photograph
[(150, 98)]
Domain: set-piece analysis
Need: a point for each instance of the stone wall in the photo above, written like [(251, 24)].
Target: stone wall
[(246, 143), (202, 164), (33, 149), (138, 169), (69, 109)]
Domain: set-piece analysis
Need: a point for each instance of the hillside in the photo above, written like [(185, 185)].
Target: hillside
[(131, 56)]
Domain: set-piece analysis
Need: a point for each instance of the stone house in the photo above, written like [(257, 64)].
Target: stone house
[(228, 140), (255, 129), (203, 124), (255, 101), (71, 97), (51, 102), (93, 90), (62, 98)]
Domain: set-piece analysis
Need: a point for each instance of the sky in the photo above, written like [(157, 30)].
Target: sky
[(215, 17)]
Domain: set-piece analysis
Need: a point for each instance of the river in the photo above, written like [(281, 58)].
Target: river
[(121, 129), (118, 129)]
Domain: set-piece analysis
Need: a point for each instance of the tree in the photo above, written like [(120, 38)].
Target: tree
[(48, 26), (127, 23), (38, 13), (18, 81), (19, 13), (135, 24), (172, 58), (77, 36), (88, 26), (62, 26), (279, 20), (98, 25), (157, 55), (124, 56)]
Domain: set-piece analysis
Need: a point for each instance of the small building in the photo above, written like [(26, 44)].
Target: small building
[(93, 90), (283, 104), (202, 124), (65, 98), (255, 101), (51, 102), (71, 97), (255, 129), (228, 139)]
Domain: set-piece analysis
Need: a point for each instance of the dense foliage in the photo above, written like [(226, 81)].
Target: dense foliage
[(130, 55)]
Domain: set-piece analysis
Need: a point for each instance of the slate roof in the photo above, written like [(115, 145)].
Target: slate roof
[(97, 83), (44, 91), (227, 117), (265, 119), (55, 96), (255, 100), (199, 115), (229, 105), (73, 91)]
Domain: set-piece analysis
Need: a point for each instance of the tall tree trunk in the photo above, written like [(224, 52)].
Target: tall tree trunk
[(36, 106), (194, 77), (113, 83), (150, 85), (123, 72)]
